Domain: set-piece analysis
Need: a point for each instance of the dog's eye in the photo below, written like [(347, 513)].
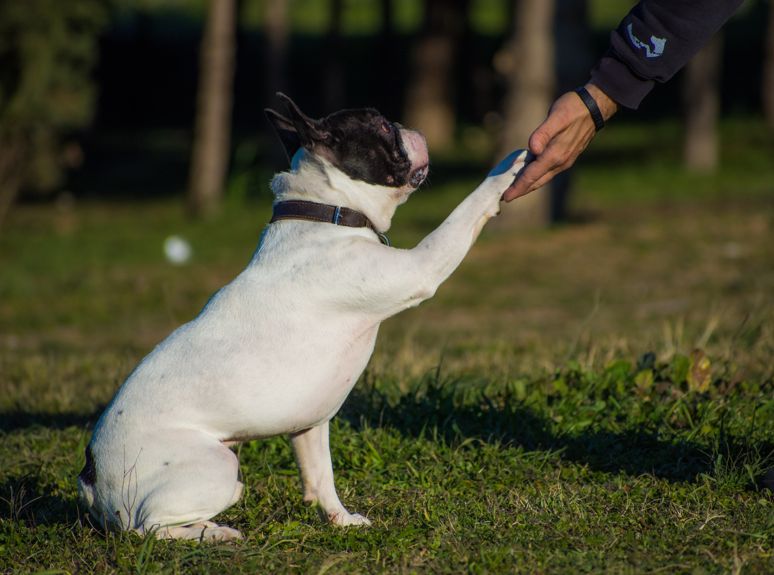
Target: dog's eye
[(386, 127)]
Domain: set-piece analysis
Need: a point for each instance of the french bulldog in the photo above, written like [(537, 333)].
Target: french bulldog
[(277, 350)]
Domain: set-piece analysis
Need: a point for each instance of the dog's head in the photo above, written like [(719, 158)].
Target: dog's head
[(361, 143)]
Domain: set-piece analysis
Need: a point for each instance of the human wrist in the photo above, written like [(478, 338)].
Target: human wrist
[(606, 104)]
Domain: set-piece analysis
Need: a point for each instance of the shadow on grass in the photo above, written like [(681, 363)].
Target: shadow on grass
[(30, 500), (632, 452), (433, 410), (18, 420)]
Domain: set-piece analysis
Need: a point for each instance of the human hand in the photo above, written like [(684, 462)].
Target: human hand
[(559, 140)]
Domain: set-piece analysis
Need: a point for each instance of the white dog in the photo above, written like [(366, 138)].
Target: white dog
[(278, 349)]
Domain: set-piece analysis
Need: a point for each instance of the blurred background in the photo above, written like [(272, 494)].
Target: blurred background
[(147, 98), (133, 140)]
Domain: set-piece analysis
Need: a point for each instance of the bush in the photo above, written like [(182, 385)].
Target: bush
[(48, 50)]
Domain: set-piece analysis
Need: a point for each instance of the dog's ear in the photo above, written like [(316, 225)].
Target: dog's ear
[(286, 132), (299, 130)]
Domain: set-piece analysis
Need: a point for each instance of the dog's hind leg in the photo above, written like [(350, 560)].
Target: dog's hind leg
[(314, 462), (193, 478)]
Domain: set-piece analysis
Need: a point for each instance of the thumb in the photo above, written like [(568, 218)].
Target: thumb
[(547, 131), (539, 139)]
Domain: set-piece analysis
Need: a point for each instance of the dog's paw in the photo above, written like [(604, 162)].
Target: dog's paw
[(221, 533), (205, 531), (512, 163), (506, 171), (346, 519)]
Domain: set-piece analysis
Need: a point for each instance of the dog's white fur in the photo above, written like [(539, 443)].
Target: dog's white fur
[(276, 351)]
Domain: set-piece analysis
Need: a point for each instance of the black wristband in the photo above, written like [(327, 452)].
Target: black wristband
[(591, 104)]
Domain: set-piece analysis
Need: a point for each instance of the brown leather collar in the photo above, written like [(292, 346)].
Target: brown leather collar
[(325, 213)]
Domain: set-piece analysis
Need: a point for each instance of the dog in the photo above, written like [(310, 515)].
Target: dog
[(277, 350)]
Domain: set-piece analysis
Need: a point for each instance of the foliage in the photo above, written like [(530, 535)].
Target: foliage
[(48, 50)]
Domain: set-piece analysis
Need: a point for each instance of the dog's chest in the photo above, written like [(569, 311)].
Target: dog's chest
[(301, 391), (327, 397)]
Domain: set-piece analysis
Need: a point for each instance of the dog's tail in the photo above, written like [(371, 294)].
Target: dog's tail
[(86, 480)]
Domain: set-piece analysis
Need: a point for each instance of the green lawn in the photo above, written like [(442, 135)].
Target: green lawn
[(596, 397)]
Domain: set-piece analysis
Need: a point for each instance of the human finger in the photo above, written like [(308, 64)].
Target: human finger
[(553, 125), (539, 183), (561, 115), (523, 184), (546, 178)]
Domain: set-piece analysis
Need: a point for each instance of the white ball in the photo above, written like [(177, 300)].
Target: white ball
[(177, 250)]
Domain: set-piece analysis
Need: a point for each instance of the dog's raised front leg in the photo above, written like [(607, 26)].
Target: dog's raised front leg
[(313, 456), (391, 280)]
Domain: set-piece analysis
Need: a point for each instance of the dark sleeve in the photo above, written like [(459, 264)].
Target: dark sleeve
[(655, 40)]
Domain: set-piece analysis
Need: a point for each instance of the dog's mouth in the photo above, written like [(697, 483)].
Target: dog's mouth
[(418, 176), (415, 147)]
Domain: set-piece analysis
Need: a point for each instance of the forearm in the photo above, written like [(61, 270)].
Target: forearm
[(655, 40)]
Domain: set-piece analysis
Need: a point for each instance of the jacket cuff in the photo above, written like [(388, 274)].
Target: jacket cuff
[(616, 80)]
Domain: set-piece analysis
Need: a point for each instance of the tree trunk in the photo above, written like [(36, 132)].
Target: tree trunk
[(768, 71), (276, 30), (527, 61), (212, 134), (701, 101), (389, 93), (334, 79), (12, 160), (573, 60), (430, 104)]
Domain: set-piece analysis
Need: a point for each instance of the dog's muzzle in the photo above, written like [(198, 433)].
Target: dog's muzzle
[(418, 176)]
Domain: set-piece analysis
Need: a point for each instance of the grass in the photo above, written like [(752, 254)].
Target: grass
[(593, 398)]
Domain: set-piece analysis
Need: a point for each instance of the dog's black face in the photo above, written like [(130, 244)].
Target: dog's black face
[(366, 146), (361, 143)]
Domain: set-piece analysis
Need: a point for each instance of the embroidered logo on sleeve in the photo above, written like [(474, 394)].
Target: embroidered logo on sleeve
[(658, 44)]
